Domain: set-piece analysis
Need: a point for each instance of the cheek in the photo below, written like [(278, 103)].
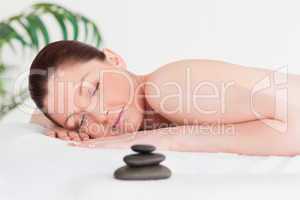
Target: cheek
[(80, 101), (117, 88)]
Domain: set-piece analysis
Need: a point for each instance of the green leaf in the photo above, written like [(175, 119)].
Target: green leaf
[(53, 10), (18, 37), (62, 14), (74, 23), (2, 68), (41, 26), (7, 33), (4, 30), (86, 23), (32, 34), (60, 20), (96, 35), (33, 28), (2, 90)]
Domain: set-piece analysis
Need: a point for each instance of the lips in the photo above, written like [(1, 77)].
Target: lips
[(118, 118)]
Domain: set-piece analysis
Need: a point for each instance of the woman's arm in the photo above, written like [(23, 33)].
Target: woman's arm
[(250, 138), (39, 118)]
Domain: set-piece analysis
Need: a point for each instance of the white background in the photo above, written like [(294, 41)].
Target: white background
[(151, 33), (148, 34)]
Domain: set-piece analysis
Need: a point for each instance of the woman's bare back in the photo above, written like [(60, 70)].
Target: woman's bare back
[(207, 91)]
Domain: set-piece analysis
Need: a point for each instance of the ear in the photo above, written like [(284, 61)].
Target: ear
[(114, 59)]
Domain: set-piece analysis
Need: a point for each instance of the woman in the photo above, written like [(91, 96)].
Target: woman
[(188, 105)]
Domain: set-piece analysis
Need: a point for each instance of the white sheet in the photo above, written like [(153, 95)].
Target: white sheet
[(33, 166)]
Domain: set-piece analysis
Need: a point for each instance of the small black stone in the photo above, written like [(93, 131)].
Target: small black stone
[(143, 148), (139, 160), (142, 173)]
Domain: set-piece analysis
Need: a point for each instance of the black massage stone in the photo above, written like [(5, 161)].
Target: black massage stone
[(144, 165), (143, 173), (139, 160), (142, 148)]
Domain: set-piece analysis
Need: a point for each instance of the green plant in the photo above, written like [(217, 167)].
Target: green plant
[(33, 33)]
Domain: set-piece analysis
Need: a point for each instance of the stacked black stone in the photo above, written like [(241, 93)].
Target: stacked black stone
[(145, 165)]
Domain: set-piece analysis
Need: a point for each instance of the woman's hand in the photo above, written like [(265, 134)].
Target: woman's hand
[(57, 132), (153, 137), (65, 134)]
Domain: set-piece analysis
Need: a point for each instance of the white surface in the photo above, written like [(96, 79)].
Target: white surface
[(33, 166)]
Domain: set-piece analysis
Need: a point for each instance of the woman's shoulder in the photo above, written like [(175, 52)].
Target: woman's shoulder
[(183, 63)]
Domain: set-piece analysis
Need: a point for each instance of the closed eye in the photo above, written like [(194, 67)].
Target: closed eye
[(96, 88)]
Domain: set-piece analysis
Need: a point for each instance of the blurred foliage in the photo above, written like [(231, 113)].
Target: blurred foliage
[(29, 30)]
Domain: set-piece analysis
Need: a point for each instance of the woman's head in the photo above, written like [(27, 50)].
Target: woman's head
[(78, 86)]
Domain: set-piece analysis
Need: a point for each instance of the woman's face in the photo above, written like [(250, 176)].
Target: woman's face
[(96, 97)]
